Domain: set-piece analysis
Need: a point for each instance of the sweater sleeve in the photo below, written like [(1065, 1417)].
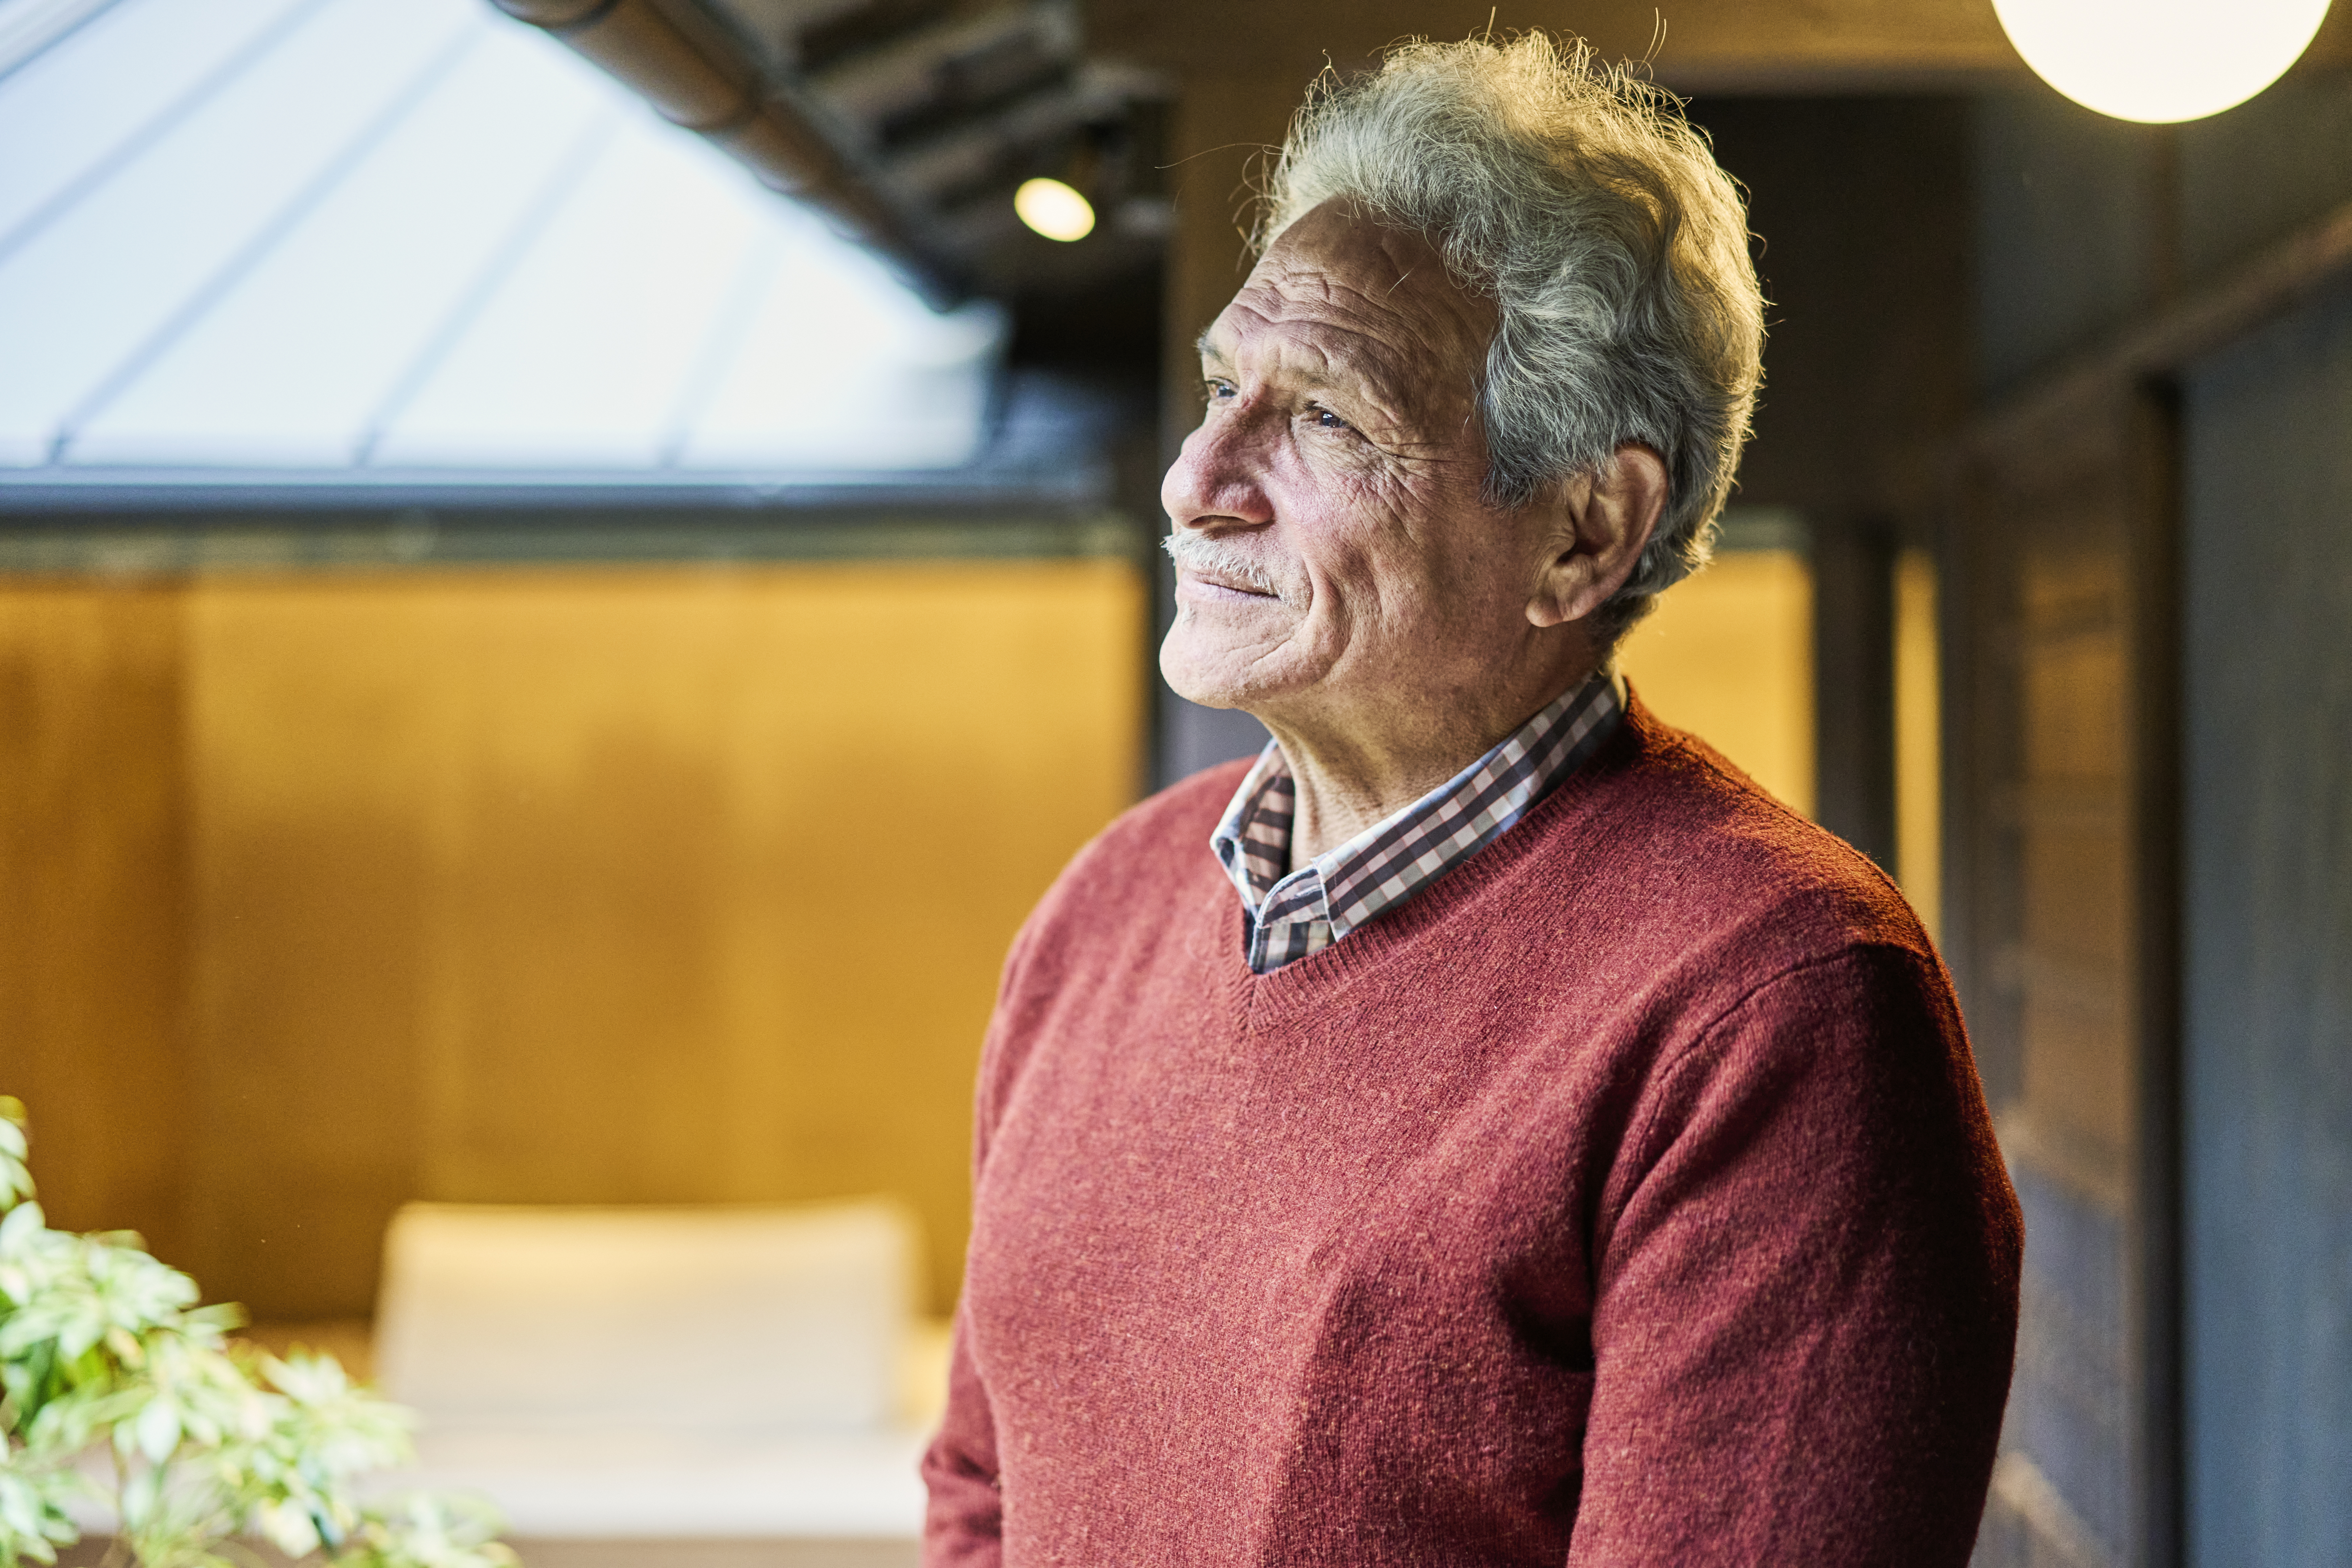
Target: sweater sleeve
[(963, 1525), (1806, 1287)]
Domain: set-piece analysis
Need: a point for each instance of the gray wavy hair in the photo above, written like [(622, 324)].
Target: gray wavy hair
[(1581, 200)]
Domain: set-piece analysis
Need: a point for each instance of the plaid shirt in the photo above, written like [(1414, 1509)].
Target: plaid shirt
[(1289, 914)]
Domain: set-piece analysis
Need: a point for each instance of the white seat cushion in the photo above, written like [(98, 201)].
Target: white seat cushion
[(643, 1486), (745, 1322)]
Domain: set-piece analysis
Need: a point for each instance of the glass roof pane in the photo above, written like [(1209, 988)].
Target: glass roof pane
[(579, 356), (842, 368), (293, 365), (28, 27), (322, 237), (83, 295), (86, 95)]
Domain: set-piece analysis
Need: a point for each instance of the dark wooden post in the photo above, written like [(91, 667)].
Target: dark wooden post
[(1853, 683)]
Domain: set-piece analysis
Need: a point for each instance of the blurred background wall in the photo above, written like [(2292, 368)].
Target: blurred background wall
[(530, 887)]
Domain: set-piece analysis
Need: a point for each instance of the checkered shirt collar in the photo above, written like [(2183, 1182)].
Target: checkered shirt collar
[(1289, 914)]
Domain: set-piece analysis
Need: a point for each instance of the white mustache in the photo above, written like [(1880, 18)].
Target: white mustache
[(1210, 557)]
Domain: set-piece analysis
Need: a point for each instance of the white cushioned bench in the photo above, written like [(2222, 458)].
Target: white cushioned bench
[(724, 1374)]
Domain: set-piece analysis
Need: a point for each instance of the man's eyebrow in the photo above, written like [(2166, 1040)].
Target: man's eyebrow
[(1369, 384)]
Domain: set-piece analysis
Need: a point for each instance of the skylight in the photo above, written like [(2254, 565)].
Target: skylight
[(384, 238)]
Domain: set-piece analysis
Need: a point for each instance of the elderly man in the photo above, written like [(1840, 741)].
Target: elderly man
[(1487, 1130)]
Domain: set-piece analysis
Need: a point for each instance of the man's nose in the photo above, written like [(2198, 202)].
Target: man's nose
[(1218, 481)]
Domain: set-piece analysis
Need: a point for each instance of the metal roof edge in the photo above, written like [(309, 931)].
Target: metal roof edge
[(50, 491), (162, 544)]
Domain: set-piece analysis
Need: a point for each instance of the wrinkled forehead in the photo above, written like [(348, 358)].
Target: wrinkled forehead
[(1343, 295)]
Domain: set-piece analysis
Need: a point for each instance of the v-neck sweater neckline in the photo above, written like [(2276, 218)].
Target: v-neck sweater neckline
[(1398, 933)]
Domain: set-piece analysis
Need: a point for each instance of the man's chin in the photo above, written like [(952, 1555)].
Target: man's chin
[(1206, 693), (1210, 673)]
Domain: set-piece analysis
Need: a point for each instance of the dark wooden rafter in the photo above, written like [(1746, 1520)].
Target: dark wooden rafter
[(2044, 421), (696, 75), (907, 127), (1711, 48)]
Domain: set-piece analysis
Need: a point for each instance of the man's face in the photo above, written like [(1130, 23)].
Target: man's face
[(1333, 552)]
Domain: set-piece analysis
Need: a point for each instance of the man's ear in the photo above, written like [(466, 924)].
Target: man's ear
[(1602, 523)]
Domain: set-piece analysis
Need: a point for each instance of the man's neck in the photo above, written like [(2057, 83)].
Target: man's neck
[(1348, 779)]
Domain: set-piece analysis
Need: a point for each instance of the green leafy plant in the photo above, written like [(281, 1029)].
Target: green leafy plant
[(119, 1393)]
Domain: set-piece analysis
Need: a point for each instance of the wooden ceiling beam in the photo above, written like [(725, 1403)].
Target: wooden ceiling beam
[(698, 74), (1711, 47)]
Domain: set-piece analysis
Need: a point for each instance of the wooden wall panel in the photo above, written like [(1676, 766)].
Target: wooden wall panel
[(2268, 1036), (321, 748), (675, 885), (1853, 683), (1919, 740), (1728, 655), (2061, 772), (91, 897)]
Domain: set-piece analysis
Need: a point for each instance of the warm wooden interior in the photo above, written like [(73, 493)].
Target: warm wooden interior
[(1728, 655), (93, 827), (1918, 740), (684, 884)]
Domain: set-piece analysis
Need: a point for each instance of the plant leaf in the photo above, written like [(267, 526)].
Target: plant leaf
[(102, 1345)]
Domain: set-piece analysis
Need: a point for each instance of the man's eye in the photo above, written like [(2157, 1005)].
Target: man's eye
[(1220, 390), (1328, 420)]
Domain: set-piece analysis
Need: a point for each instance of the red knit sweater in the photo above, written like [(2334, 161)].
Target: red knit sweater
[(1627, 1197)]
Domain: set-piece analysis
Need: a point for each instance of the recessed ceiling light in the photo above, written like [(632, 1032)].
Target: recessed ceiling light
[(1053, 209)]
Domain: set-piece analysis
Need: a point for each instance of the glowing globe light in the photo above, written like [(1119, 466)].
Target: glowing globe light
[(2160, 61), (1053, 210)]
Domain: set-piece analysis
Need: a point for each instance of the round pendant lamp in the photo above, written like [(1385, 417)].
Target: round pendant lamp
[(2160, 61)]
